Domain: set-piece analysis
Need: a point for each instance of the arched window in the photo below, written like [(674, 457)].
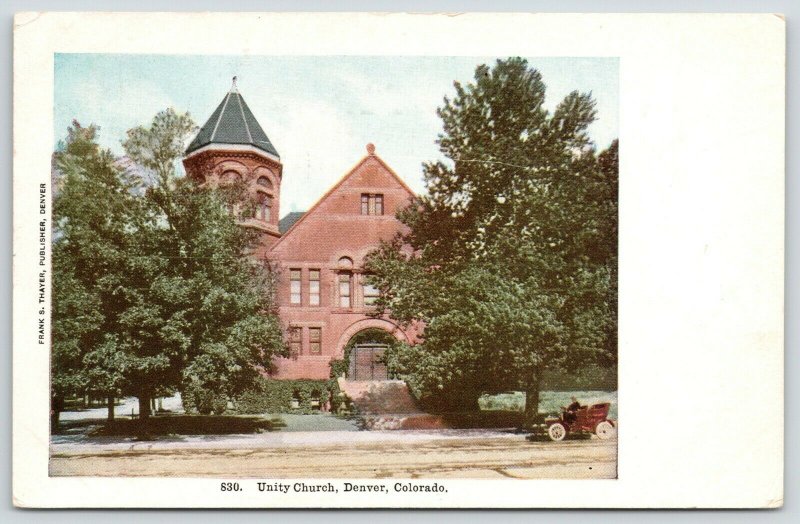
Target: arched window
[(230, 177), (264, 182), (345, 263)]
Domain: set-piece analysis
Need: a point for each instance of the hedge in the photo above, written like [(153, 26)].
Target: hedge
[(587, 378), (277, 396)]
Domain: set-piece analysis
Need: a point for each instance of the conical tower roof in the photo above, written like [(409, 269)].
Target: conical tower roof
[(232, 123)]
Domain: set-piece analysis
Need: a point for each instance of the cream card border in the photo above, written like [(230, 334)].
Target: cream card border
[(701, 241)]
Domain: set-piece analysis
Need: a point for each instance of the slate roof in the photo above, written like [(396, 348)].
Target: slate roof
[(288, 221), (232, 123)]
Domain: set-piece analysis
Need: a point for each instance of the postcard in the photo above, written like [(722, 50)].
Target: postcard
[(295, 260)]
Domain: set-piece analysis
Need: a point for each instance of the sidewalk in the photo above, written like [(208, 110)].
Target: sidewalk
[(79, 443)]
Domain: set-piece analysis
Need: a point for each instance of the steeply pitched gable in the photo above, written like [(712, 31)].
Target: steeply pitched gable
[(335, 223)]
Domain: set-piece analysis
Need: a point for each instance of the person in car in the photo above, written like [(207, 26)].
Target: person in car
[(571, 411)]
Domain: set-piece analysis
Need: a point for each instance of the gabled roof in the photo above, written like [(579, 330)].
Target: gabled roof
[(348, 174), (288, 221), (232, 123)]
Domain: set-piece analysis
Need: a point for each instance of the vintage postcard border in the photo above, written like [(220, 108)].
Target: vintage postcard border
[(701, 241)]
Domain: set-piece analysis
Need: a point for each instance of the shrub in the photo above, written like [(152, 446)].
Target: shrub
[(287, 396), (588, 378), (197, 399), (339, 367)]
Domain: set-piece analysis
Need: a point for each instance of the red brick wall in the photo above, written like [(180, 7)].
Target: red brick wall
[(332, 229)]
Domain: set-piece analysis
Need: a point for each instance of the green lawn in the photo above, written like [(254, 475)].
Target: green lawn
[(549, 401)]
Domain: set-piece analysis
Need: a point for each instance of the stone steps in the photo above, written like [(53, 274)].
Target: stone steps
[(388, 405), (380, 397)]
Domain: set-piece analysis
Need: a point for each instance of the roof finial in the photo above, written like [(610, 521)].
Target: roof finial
[(370, 148), (233, 85)]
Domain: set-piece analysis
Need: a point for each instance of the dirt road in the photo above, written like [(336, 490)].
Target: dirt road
[(507, 456)]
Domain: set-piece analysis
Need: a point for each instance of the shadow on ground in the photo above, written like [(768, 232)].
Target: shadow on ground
[(175, 425)]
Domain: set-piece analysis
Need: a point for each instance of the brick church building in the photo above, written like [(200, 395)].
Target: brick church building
[(324, 301)]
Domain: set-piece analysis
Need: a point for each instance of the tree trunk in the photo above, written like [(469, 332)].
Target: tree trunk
[(110, 405), (144, 415), (144, 407), (56, 405), (531, 404)]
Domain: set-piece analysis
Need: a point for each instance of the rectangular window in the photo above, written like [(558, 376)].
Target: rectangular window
[(344, 290), (266, 209), (294, 283), (315, 341), (295, 340), (365, 204), (371, 204), (371, 294), (313, 287)]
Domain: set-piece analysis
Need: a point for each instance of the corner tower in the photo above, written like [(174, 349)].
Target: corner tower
[(232, 147)]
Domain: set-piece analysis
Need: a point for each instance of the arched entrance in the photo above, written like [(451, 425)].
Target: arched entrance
[(367, 351)]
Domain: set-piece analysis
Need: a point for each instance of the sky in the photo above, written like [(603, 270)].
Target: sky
[(318, 111)]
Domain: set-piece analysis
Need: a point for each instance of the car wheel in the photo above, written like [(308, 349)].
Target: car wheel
[(605, 430), (557, 432)]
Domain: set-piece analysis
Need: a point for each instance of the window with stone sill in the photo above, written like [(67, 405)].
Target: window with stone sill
[(295, 340), (296, 296), (313, 287), (371, 294), (345, 289), (371, 204), (315, 341)]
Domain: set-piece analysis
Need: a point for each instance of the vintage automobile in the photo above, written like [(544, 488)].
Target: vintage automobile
[(586, 420)]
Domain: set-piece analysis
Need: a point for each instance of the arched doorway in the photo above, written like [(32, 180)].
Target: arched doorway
[(367, 352)]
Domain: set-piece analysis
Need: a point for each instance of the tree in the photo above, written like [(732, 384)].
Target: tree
[(201, 313), (509, 259), (160, 268), (93, 206)]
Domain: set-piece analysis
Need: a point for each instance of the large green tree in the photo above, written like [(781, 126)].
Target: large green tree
[(93, 209), (181, 305), (509, 258)]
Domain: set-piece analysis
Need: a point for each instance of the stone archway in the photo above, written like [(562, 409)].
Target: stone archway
[(366, 342)]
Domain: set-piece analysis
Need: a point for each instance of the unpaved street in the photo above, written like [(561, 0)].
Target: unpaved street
[(396, 456)]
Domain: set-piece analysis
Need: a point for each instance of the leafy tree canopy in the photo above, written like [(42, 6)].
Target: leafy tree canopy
[(509, 259), (153, 288)]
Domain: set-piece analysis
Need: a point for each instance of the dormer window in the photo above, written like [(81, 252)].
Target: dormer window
[(371, 204)]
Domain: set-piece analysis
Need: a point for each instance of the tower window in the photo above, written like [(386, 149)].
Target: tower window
[(371, 204), (294, 286), (230, 177), (313, 287), (266, 208), (264, 182)]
